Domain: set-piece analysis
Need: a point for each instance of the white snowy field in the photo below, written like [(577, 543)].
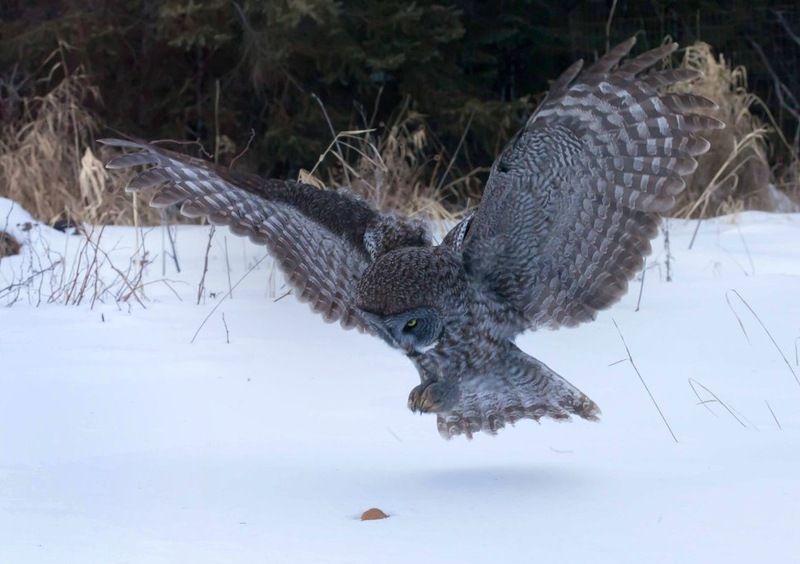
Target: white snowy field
[(122, 442)]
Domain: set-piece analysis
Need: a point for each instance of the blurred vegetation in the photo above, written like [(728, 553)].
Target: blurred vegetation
[(281, 76)]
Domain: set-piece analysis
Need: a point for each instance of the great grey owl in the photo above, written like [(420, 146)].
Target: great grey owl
[(566, 218)]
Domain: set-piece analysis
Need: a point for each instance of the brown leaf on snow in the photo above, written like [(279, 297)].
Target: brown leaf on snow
[(372, 514)]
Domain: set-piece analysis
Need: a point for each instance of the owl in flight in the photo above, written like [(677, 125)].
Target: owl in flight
[(566, 219)]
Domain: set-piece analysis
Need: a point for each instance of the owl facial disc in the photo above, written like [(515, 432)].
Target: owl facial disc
[(415, 331)]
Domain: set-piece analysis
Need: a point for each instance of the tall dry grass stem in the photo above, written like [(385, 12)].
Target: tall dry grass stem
[(644, 384), (47, 161), (735, 174), (763, 326)]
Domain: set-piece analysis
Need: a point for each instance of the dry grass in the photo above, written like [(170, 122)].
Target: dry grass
[(412, 175), (786, 195), (46, 161), (48, 165), (8, 245), (82, 272), (735, 174), (403, 170)]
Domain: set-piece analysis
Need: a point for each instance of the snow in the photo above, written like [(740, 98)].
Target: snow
[(122, 442)]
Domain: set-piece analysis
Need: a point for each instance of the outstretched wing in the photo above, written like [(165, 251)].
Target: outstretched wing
[(323, 240), (574, 199)]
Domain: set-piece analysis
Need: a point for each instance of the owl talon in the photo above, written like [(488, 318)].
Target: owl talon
[(428, 397), (415, 397)]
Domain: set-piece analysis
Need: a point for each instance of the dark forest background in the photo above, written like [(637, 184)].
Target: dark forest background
[(228, 73)]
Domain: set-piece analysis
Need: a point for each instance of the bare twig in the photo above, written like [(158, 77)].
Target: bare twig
[(375, 107), (782, 20), (641, 286), (791, 105), (455, 153), (335, 136), (701, 401), (228, 266), (747, 250), (173, 249), (695, 232), (778, 423), (92, 270), (246, 148), (163, 252), (131, 281), (726, 173), (279, 298), (395, 435), (219, 303), (641, 379), (216, 122), (202, 285), (764, 327), (736, 315), (167, 284), (692, 382), (334, 144), (29, 279), (608, 24), (667, 250), (743, 416), (227, 332)]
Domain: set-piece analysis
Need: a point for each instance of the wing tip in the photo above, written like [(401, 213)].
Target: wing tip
[(110, 141), (716, 124), (118, 142), (628, 44)]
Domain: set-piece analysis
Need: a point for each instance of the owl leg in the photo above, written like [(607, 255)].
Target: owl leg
[(431, 397), (435, 393)]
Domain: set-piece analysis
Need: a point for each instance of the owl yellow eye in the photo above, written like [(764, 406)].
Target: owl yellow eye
[(411, 323)]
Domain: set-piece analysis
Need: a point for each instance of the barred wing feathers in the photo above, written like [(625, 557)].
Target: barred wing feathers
[(572, 202), (323, 240)]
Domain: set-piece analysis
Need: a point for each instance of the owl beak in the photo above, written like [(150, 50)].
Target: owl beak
[(377, 324)]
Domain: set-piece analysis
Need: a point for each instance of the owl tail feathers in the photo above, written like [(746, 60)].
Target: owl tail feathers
[(519, 387)]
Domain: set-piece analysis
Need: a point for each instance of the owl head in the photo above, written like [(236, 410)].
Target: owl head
[(404, 294)]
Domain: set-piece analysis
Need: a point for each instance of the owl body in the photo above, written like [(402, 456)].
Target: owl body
[(564, 223)]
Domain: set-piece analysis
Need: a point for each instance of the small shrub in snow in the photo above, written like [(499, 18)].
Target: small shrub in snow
[(8, 245)]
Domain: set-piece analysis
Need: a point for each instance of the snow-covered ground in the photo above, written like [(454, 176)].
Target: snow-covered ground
[(121, 441)]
